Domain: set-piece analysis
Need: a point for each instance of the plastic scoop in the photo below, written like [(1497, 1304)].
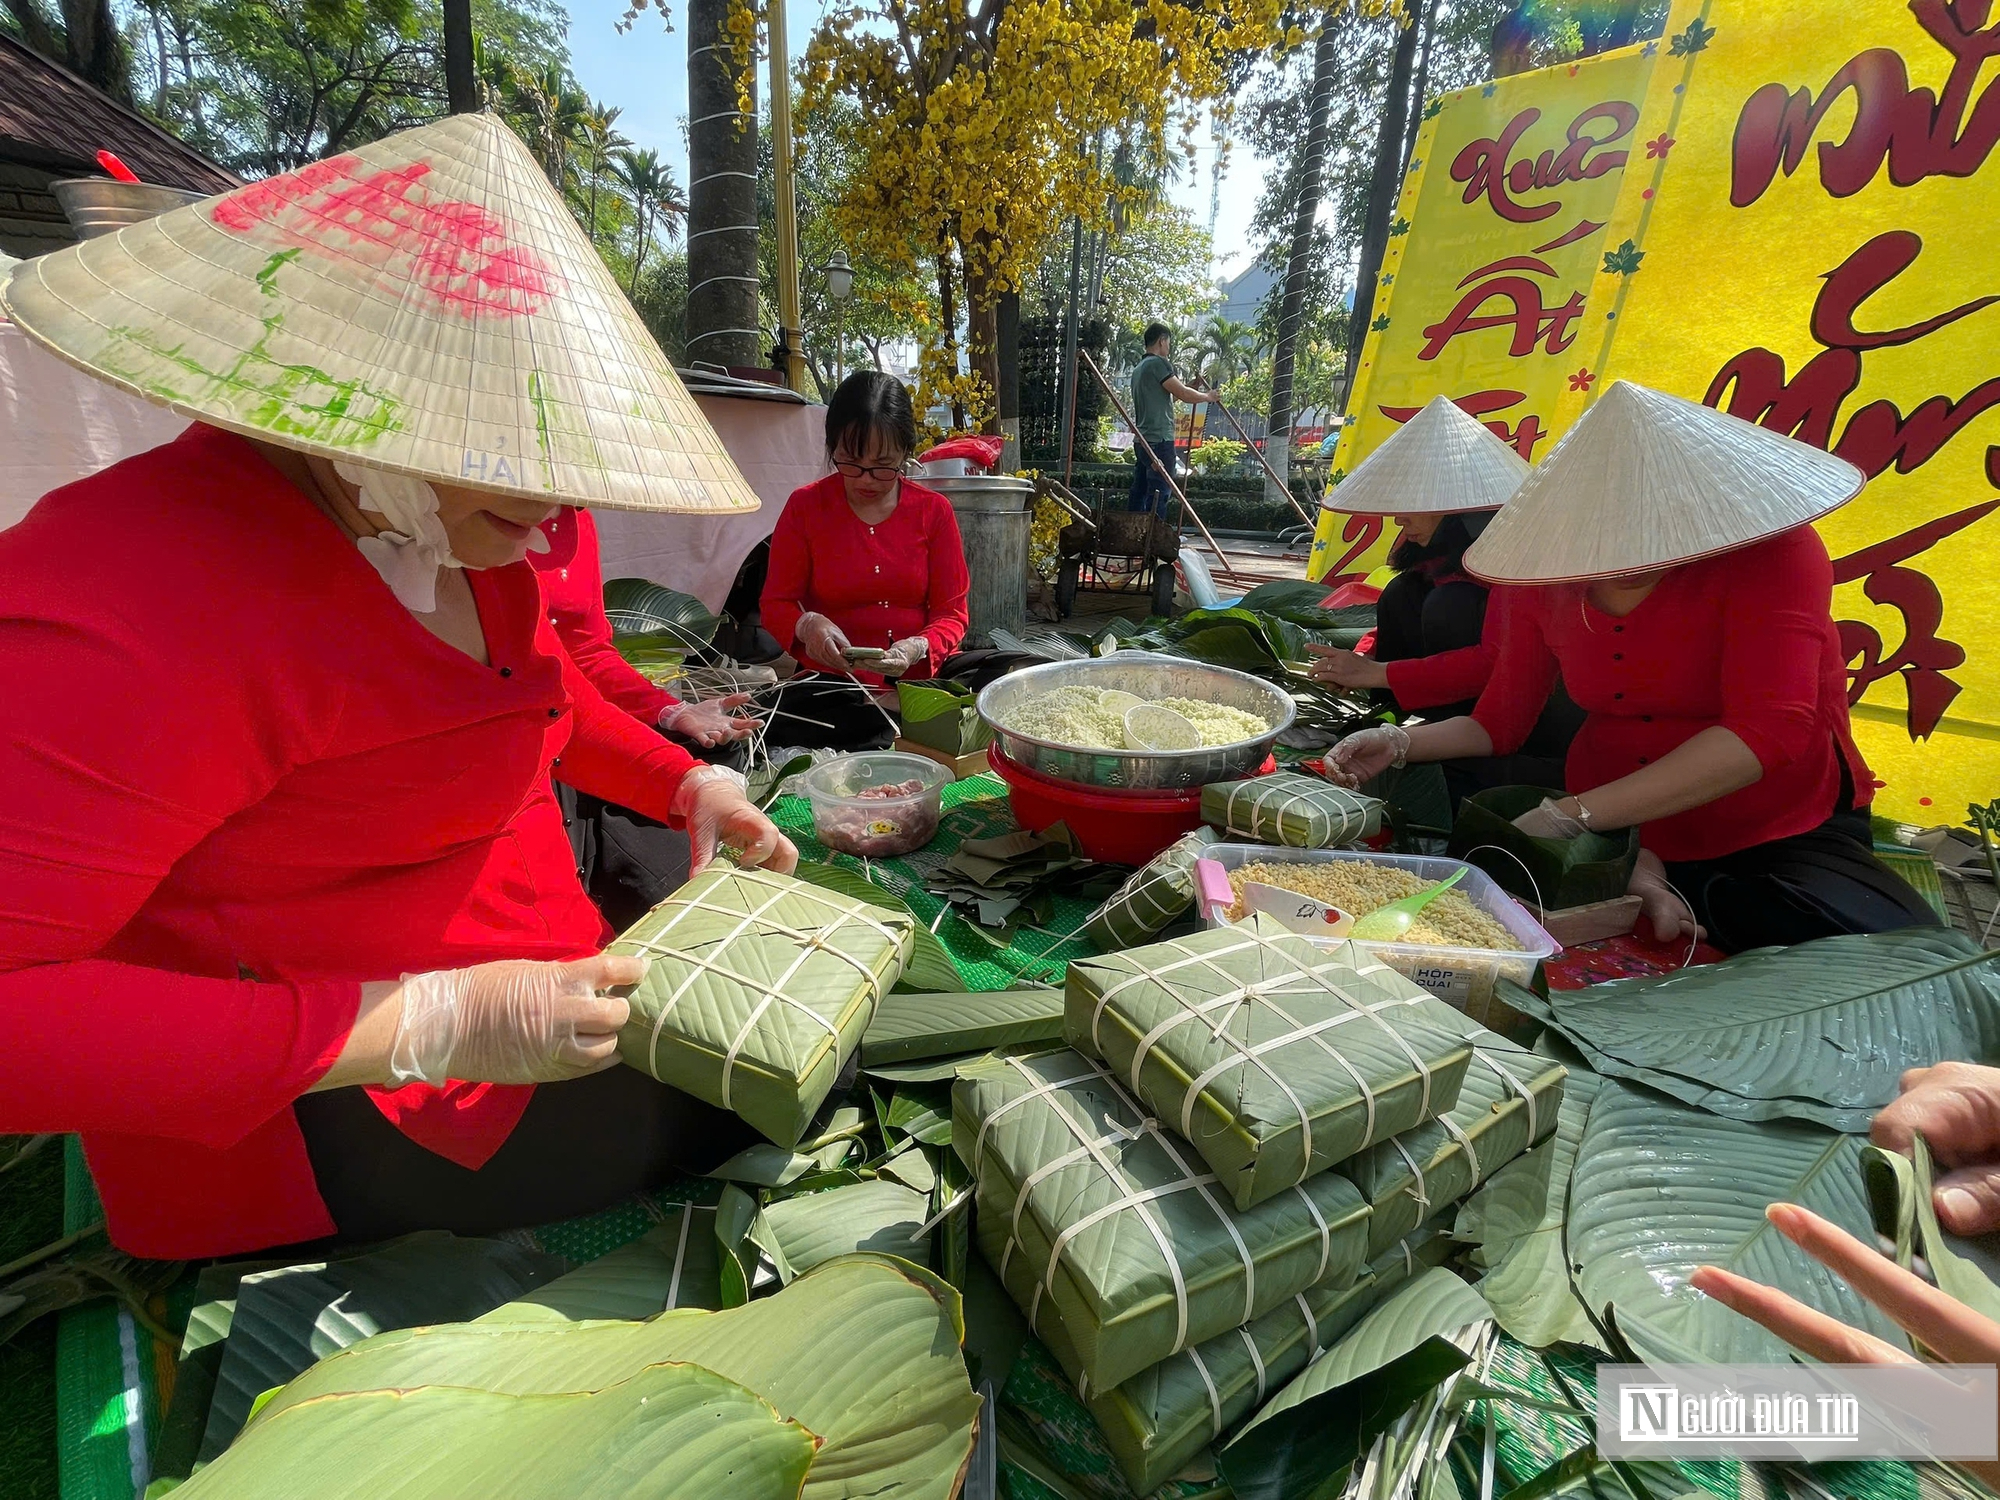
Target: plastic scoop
[(1212, 891), (1118, 701), (1387, 923), (116, 168), (1300, 913), (1151, 727)]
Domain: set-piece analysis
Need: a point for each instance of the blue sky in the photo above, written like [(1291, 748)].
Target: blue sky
[(644, 72)]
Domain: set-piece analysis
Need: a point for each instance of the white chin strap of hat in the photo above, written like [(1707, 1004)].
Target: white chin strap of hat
[(409, 554)]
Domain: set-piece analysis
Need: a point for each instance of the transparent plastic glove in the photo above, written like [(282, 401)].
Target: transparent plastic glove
[(1367, 753), (712, 722), (822, 641), (511, 1022), (904, 655), (712, 801), (1660, 905), (1549, 821)]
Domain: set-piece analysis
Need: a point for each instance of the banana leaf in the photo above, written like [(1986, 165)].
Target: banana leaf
[(1060, 1151), (673, 1429), (1516, 1225), (805, 1232), (286, 1319), (1899, 1197), (1299, 812), (1509, 1102), (674, 1264), (1160, 1418), (1818, 1032), (1552, 873), (177, 1445), (639, 607), (943, 715), (864, 1351), (1315, 1428), (759, 990), (1152, 897), (1661, 1188), (913, 1027), (931, 967), (1274, 1059)]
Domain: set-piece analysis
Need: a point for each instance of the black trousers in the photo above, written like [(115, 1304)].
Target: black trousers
[(1415, 618), (580, 1146), (1822, 883), (1149, 485), (817, 711)]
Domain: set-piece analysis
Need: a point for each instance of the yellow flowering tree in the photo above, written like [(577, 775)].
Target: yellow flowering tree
[(976, 122)]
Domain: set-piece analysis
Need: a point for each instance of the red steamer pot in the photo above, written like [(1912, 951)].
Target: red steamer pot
[(1124, 828)]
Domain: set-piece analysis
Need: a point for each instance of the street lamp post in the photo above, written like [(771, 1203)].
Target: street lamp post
[(839, 287)]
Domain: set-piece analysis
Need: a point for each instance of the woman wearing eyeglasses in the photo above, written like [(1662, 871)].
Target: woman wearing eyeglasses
[(862, 562)]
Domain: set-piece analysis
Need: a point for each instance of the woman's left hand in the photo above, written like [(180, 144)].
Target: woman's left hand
[(1941, 1323), (711, 722), (1348, 669), (719, 815), (903, 656), (1547, 820)]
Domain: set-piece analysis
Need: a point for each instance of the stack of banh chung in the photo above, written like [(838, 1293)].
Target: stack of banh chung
[(1247, 1142)]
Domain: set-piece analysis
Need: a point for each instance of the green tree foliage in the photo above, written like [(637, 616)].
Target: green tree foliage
[(888, 302), (268, 85)]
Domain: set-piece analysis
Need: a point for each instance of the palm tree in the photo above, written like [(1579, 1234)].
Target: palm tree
[(556, 111), (655, 194), (1228, 348), (600, 144)]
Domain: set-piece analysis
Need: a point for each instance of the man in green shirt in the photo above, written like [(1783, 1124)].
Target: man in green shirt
[(1154, 389)]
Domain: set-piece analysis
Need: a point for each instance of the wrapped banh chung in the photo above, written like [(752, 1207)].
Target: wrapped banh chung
[(1300, 812), (1098, 1218), (1152, 898), (1508, 1104), (1274, 1058), (760, 989), (1160, 1418)]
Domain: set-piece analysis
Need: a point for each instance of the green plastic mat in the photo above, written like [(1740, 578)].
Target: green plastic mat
[(974, 808)]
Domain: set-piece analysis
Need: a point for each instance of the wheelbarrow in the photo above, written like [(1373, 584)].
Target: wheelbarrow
[(1122, 551)]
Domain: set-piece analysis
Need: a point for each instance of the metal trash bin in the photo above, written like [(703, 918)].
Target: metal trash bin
[(995, 513)]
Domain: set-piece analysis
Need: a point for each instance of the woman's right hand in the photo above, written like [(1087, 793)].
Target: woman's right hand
[(822, 641), (516, 1021)]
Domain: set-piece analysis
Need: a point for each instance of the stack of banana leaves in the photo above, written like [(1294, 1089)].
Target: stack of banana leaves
[(992, 1265), (1265, 633)]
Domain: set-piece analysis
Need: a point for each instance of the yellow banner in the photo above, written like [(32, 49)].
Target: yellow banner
[(1809, 244), (1496, 238)]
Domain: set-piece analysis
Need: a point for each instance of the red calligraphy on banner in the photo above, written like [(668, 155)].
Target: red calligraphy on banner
[(1521, 436), (1876, 438), (1487, 168), (1916, 132)]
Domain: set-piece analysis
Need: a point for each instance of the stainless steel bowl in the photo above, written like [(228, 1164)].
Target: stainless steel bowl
[(1149, 676), (99, 205)]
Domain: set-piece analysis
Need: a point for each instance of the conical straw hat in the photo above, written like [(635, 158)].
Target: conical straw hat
[(1645, 480), (425, 304), (1438, 463)]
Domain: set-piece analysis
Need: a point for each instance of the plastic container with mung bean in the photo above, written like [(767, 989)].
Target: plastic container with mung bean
[(1464, 977)]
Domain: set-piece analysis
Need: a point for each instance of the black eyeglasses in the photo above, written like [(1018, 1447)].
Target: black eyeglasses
[(858, 471)]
